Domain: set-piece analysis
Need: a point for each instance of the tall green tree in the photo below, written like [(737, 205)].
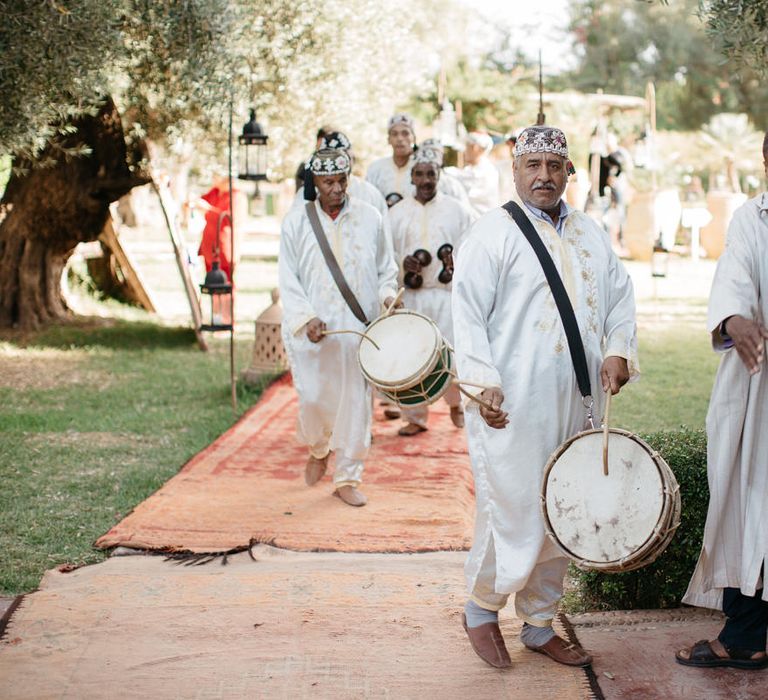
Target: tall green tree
[(622, 44), (84, 84)]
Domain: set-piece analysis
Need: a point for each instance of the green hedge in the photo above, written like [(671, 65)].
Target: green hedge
[(663, 583)]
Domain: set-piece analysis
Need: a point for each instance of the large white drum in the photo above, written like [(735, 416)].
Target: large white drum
[(412, 363), (616, 522)]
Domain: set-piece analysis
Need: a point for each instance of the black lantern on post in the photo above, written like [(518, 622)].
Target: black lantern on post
[(252, 156), (218, 287)]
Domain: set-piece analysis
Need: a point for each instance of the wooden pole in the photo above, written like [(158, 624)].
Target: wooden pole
[(232, 381)]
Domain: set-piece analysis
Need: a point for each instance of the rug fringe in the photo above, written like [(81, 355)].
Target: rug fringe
[(596, 692)]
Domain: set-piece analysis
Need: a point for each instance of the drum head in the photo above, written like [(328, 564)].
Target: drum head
[(602, 518), (408, 344)]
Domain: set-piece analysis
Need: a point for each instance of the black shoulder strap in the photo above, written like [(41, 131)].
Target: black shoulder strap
[(333, 265), (571, 326)]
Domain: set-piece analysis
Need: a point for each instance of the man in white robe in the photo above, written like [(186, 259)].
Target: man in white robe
[(357, 187), (510, 338), (391, 175), (448, 183), (429, 221), (334, 398), (730, 574), (479, 175)]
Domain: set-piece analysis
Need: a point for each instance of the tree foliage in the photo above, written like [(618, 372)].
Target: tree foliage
[(172, 67), (622, 44), (741, 28)]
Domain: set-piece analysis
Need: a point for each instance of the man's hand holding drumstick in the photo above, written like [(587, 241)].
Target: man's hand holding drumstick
[(315, 330), (493, 416)]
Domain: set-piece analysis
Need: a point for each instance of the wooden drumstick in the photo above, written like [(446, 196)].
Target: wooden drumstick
[(391, 307), (473, 397), (362, 335), (606, 430)]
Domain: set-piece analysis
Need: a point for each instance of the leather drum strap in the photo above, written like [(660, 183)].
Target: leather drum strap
[(567, 315), (333, 265)]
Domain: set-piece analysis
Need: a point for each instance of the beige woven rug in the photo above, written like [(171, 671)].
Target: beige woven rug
[(290, 625)]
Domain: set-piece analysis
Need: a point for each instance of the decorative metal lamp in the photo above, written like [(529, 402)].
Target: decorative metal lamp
[(218, 287), (252, 147), (268, 350)]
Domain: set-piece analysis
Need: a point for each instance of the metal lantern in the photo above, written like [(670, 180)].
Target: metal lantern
[(252, 147), (268, 350), (218, 287)]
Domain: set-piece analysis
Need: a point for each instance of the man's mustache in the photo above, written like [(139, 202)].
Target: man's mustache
[(543, 187)]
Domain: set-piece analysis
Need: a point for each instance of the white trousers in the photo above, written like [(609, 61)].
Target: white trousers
[(536, 603), (435, 303), (334, 403)]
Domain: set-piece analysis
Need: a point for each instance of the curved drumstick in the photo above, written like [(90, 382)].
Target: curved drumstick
[(362, 335), (390, 309), (606, 431), (458, 382)]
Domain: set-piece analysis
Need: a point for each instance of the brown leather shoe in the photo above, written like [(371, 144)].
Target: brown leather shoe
[(488, 643), (561, 651), (351, 496), (391, 413), (315, 469), (457, 416), (410, 429)]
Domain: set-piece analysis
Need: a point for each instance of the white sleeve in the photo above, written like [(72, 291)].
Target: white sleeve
[(474, 290), (620, 328), (734, 288), (297, 311), (385, 264)]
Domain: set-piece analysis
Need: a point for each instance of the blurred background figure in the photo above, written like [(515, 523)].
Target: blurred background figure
[(479, 175)]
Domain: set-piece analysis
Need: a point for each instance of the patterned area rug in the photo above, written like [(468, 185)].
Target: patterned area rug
[(249, 485)]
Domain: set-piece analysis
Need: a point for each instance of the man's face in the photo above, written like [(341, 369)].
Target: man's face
[(401, 140), (473, 153), (331, 189), (540, 179), (424, 177)]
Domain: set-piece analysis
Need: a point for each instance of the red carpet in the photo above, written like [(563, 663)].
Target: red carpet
[(249, 483)]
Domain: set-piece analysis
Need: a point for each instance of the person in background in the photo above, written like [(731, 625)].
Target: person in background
[(479, 175), (433, 223), (334, 398), (391, 175)]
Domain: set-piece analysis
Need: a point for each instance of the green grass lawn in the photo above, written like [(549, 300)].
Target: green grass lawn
[(93, 419), (95, 416), (677, 368)]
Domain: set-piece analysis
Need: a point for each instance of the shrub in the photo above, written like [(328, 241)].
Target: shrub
[(663, 583)]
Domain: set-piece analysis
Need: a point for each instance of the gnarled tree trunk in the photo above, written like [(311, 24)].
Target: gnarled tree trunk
[(46, 211)]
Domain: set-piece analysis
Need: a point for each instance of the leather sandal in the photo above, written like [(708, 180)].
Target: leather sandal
[(487, 643), (702, 655), (351, 496), (315, 469), (561, 651), (411, 429), (457, 416)]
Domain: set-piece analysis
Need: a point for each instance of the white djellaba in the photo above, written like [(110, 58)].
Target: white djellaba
[(429, 226), (508, 334), (735, 547), (334, 398)]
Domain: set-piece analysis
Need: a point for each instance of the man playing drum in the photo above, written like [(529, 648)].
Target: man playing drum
[(334, 399), (434, 223), (510, 338), (730, 575)]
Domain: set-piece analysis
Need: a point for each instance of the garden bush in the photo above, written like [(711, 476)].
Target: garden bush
[(663, 583)]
